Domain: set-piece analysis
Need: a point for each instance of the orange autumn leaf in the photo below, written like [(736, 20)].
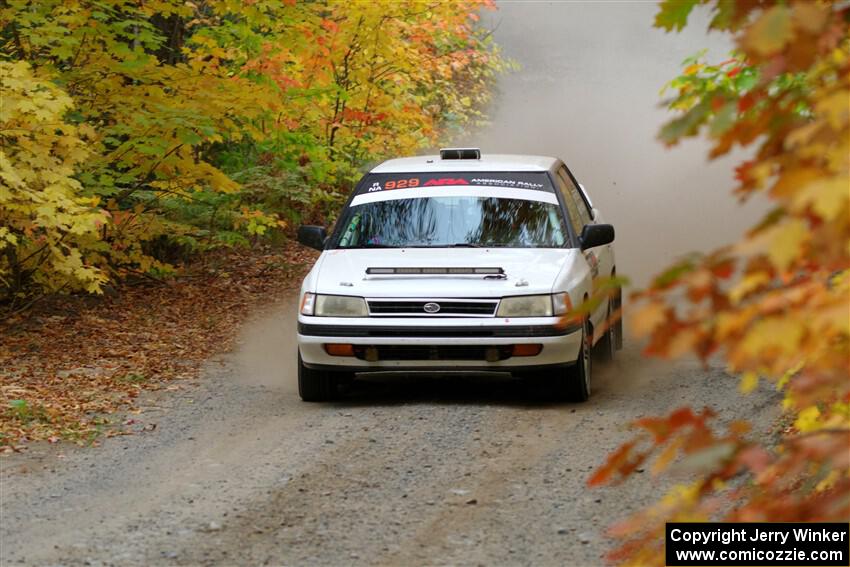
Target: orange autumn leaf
[(774, 306)]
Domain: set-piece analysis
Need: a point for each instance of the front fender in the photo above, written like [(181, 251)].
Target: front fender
[(575, 278)]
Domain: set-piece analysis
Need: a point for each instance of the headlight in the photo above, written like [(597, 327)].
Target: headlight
[(535, 305), (339, 306), (526, 306)]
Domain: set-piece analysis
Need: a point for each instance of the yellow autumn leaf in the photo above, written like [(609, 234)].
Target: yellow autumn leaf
[(827, 197), (786, 243), (775, 333), (770, 32), (761, 173), (786, 377), (749, 382), (682, 493), (807, 419), (682, 342), (667, 455), (748, 283), (810, 16), (40, 202), (790, 181), (804, 134), (730, 323), (829, 481), (648, 317), (835, 108)]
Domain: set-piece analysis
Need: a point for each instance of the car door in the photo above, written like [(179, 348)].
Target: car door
[(605, 253), (600, 259), (575, 219)]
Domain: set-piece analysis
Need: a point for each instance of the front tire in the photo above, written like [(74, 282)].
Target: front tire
[(618, 326), (575, 384), (317, 385), (607, 345)]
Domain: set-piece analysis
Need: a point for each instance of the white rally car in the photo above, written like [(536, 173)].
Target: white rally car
[(458, 262)]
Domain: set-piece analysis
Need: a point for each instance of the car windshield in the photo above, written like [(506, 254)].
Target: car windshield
[(448, 221)]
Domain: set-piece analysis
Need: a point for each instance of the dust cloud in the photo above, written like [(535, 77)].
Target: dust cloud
[(267, 349), (588, 91)]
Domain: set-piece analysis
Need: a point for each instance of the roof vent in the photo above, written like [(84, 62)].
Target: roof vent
[(460, 153)]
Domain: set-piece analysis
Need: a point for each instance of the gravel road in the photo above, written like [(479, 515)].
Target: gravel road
[(431, 470), (402, 472)]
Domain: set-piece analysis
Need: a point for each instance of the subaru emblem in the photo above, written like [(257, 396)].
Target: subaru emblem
[(431, 307)]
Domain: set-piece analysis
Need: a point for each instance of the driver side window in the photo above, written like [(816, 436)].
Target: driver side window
[(564, 185), (575, 192)]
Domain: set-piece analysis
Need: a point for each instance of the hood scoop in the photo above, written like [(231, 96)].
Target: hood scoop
[(488, 273)]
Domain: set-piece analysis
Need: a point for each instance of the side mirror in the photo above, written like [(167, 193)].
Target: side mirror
[(593, 235), (312, 236)]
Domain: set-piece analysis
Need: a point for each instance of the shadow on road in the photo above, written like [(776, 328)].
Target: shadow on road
[(467, 389)]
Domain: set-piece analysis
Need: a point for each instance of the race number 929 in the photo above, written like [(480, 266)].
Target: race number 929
[(402, 183)]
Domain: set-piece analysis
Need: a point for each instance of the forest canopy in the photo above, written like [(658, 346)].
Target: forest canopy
[(138, 134)]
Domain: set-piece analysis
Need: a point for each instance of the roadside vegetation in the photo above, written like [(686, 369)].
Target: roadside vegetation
[(138, 135), (74, 366), (145, 146), (775, 305)]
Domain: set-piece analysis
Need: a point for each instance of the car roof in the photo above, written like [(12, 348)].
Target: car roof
[(488, 162)]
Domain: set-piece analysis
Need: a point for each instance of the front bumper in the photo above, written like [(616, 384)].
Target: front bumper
[(427, 336)]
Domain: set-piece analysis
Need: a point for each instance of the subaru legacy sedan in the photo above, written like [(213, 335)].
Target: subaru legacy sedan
[(458, 262)]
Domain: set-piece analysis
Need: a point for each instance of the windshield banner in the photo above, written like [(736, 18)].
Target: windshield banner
[(516, 180)]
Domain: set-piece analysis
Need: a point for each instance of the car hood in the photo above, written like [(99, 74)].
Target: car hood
[(528, 271)]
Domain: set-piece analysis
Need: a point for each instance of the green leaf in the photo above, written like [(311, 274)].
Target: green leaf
[(724, 119), (724, 15), (189, 137), (673, 273), (686, 125), (746, 80), (673, 14)]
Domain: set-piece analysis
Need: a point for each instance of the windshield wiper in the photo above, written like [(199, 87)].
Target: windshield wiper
[(464, 245)]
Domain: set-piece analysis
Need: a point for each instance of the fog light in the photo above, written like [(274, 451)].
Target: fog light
[(339, 350), (527, 350), (492, 354), (371, 354)]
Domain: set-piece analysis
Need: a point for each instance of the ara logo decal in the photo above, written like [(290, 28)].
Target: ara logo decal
[(375, 187), (445, 181)]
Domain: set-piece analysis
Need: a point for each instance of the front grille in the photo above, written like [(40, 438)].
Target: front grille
[(432, 352), (432, 332), (447, 307)]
